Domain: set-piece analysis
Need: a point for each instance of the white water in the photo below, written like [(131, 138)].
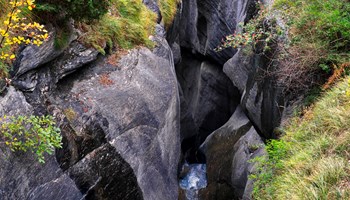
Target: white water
[(195, 179)]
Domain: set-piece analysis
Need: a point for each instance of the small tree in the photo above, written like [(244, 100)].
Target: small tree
[(35, 134), (16, 29)]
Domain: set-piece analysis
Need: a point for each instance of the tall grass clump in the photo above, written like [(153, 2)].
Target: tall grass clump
[(315, 162), (168, 9), (128, 23)]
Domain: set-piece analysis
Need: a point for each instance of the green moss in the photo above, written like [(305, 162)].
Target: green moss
[(70, 114)]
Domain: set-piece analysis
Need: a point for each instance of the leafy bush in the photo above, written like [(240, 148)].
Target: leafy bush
[(258, 33), (35, 134)]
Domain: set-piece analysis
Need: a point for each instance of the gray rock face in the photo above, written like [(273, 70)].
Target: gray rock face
[(103, 174), (120, 123), (219, 152), (248, 147), (261, 99), (21, 176), (208, 97), (66, 62), (228, 150), (33, 56), (205, 23), (144, 128), (14, 103)]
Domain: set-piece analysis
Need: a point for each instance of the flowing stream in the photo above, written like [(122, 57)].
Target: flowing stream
[(194, 180)]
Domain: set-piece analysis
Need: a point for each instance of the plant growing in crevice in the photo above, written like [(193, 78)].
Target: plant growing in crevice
[(258, 33), (315, 39), (267, 165), (168, 9), (36, 134)]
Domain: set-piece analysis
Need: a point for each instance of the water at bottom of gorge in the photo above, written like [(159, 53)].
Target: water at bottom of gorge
[(194, 180)]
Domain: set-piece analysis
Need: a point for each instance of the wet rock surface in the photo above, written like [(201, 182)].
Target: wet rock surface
[(219, 149)]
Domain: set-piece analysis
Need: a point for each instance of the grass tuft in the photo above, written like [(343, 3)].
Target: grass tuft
[(168, 8), (129, 23), (315, 162)]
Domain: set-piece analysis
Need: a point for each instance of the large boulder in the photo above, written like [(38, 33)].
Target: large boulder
[(120, 124), (261, 98), (138, 111), (21, 175), (247, 148), (119, 120), (219, 152), (228, 150)]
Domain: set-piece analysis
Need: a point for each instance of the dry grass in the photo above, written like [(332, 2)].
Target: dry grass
[(114, 58), (105, 80), (337, 73)]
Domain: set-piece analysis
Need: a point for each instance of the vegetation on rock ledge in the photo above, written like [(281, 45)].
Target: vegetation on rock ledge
[(311, 161), (36, 134)]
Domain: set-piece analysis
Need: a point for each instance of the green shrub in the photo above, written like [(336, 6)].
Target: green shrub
[(267, 166), (35, 134), (316, 43), (326, 23), (76, 9)]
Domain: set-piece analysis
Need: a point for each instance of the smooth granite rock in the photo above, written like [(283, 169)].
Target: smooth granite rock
[(261, 98)]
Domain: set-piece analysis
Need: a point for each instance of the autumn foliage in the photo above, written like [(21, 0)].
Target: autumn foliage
[(16, 29)]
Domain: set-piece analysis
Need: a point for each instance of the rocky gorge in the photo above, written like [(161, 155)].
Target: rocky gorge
[(129, 126)]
